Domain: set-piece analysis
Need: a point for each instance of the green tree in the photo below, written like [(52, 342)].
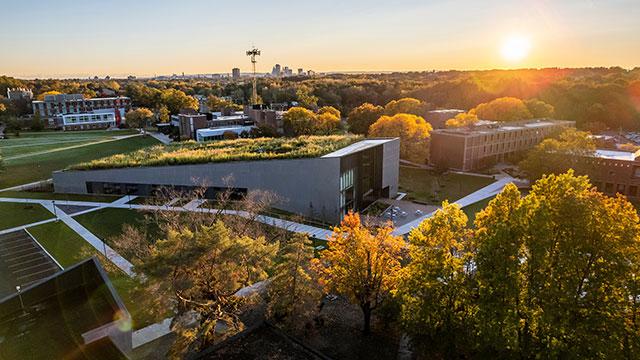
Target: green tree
[(306, 98), (570, 149), (200, 270), (437, 287), (361, 264), (293, 289), (299, 121), (412, 130), (36, 123), (361, 118), (218, 104), (539, 109)]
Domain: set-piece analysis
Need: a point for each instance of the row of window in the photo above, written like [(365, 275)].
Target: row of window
[(611, 188), (88, 118)]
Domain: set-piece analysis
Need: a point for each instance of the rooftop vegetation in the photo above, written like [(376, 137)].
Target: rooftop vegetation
[(223, 151)]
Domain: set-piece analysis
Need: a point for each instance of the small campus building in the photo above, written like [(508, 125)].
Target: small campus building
[(613, 171), (481, 146), (320, 177), (73, 314)]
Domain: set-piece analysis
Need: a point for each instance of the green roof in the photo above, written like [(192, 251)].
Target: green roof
[(223, 151)]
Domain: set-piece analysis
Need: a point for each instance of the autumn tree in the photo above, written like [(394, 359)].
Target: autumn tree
[(539, 109), (300, 121), (362, 264), (501, 287), (412, 130), (502, 109), (218, 104), (52, 92), (329, 110), (570, 149), (162, 114), (437, 286), (361, 118), (405, 106), (557, 272), (293, 288), (462, 120), (175, 100), (2, 108), (138, 118)]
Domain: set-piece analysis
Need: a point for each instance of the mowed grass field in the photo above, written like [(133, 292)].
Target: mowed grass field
[(430, 188), (20, 169)]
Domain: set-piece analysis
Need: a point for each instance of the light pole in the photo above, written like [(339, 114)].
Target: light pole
[(55, 213), (20, 297)]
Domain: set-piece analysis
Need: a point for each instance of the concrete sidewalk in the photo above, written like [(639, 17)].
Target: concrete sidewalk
[(486, 192)]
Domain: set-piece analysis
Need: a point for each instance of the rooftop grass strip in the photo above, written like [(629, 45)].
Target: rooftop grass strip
[(223, 151)]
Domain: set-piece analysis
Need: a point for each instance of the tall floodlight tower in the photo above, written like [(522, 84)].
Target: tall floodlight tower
[(253, 53)]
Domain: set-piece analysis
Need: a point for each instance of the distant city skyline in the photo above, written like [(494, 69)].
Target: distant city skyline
[(145, 38)]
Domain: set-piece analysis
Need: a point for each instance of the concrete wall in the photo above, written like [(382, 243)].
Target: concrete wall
[(309, 187), (391, 166)]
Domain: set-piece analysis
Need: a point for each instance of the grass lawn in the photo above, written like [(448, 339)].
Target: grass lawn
[(58, 196), (430, 188), (473, 209), (16, 214), (68, 248), (39, 167), (107, 223), (32, 142)]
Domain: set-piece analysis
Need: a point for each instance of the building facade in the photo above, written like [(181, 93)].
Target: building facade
[(323, 188), (98, 119), (18, 94), (53, 107), (478, 147), (235, 73)]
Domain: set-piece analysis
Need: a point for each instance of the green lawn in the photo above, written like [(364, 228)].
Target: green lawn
[(68, 248), (473, 209), (32, 142), (430, 188), (39, 167), (58, 196), (107, 223), (16, 214)]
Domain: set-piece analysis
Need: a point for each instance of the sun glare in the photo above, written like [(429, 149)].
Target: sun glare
[(516, 48)]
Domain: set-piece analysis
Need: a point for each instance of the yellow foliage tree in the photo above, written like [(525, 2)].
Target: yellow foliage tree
[(361, 264), (462, 120), (405, 106), (502, 109), (412, 130)]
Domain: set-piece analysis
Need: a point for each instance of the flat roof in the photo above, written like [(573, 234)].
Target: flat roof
[(359, 146), (615, 155), (492, 127), (221, 130)]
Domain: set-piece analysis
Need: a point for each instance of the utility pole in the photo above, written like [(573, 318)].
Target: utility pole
[(253, 53)]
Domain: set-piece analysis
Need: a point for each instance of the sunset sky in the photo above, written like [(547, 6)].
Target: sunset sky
[(65, 38)]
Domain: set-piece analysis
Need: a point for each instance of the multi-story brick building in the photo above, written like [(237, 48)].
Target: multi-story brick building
[(615, 172), (53, 107), (481, 146)]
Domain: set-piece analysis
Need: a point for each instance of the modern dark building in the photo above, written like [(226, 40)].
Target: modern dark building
[(481, 146), (324, 187), (73, 314)]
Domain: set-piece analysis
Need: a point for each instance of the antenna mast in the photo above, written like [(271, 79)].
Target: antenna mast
[(253, 53)]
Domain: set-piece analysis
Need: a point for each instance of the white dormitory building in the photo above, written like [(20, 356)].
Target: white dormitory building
[(74, 112)]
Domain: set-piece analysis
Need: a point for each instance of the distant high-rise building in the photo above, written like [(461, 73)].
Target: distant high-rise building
[(235, 73), (300, 71), (277, 70), (287, 71)]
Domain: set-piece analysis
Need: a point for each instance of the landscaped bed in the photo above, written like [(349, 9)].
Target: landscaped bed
[(221, 151), (430, 188)]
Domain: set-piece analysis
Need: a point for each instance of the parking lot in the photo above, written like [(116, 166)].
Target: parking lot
[(22, 262)]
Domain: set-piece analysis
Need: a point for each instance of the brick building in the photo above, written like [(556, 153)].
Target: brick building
[(53, 107), (481, 146)]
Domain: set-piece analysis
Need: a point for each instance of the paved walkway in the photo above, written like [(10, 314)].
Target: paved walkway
[(27, 186), (486, 192), (151, 333), (160, 137)]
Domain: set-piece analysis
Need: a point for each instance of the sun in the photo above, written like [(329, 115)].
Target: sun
[(516, 48)]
